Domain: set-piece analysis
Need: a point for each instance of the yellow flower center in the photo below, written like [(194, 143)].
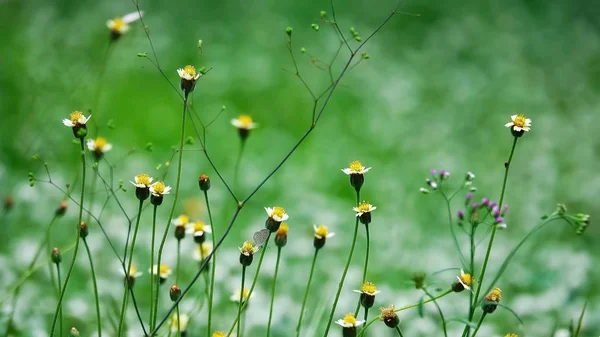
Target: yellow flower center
[(143, 179), (368, 288), (248, 248), (183, 219), (467, 279), (75, 116), (245, 120), (321, 231), (511, 335), (278, 211), (132, 271), (350, 319), (387, 313), (356, 166), (283, 229), (218, 334), (100, 143), (159, 187), (198, 226), (495, 295), (245, 293), (164, 269), (118, 24), (364, 207), (520, 121), (189, 70), (204, 249)]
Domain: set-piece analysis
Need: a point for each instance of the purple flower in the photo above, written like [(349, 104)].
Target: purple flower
[(475, 205), (495, 212), (504, 209), (492, 204), (433, 172), (461, 214), (499, 220), (485, 201), (469, 196)]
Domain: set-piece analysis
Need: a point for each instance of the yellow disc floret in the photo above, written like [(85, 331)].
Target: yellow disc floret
[(283, 229), (368, 288), (218, 334), (190, 70), (520, 120), (75, 116), (511, 335), (356, 166), (278, 212), (364, 207), (118, 24), (159, 187), (247, 248), (100, 143), (143, 179), (494, 296), (164, 270), (245, 120), (350, 319), (321, 231), (198, 226), (132, 271), (467, 279), (183, 219)]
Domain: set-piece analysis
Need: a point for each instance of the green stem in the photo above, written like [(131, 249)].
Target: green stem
[(76, 249), (126, 287), (95, 283), (92, 196), (472, 272), (364, 276), (366, 316), (61, 330), (213, 266), (439, 311), (177, 264), (152, 277), (260, 261), (241, 301), (399, 331), (451, 225), (178, 322), (175, 197), (479, 324), (273, 292), (310, 276), (341, 284), (410, 306)]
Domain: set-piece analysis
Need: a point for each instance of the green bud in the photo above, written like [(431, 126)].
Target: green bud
[(35, 157), (315, 27), (200, 44), (288, 31), (561, 209), (202, 70), (365, 56), (111, 124), (142, 54), (149, 147), (190, 140), (303, 50), (323, 14)]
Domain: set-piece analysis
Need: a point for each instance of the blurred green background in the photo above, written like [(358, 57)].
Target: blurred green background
[(442, 80)]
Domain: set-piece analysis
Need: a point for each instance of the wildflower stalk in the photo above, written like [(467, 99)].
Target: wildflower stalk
[(153, 277), (273, 291), (128, 270), (479, 324), (341, 284), (178, 322), (439, 311), (92, 195), (399, 331), (364, 278), (260, 260), (95, 283), (310, 276), (241, 301), (177, 263), (238, 161), (493, 235), (213, 266), (61, 319), (172, 212), (410, 306), (76, 249)]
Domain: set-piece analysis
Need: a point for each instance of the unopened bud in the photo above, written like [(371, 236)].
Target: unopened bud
[(175, 293), (83, 230), (56, 257), (204, 182)]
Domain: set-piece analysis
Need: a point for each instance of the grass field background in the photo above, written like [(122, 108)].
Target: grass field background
[(441, 82)]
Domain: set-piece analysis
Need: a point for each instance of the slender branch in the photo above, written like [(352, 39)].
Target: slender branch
[(310, 276), (213, 266), (273, 292), (439, 309), (152, 276), (95, 283)]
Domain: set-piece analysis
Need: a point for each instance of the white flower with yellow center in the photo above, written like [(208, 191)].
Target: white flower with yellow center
[(188, 73), (349, 321), (465, 279), (159, 189), (363, 208), (198, 228), (368, 288), (142, 181), (76, 119), (163, 272), (182, 220), (133, 272), (519, 123), (179, 324), (202, 250), (120, 25), (98, 145), (277, 213), (235, 297), (244, 122), (248, 248), (355, 167), (322, 232)]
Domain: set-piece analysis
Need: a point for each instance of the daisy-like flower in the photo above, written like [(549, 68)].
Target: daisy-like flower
[(182, 220), (189, 76), (219, 334), (321, 236), (356, 172), (367, 294), (247, 251), (349, 324), (276, 216), (142, 185), (163, 272), (389, 317), (133, 274), (244, 124), (235, 297), (464, 281), (120, 25), (158, 190), (363, 211), (202, 251), (519, 125), (198, 228), (77, 122), (511, 335), (179, 324), (98, 146), (281, 235), (491, 300)]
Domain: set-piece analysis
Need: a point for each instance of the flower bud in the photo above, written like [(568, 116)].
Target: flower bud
[(419, 279), (389, 317), (288, 31), (8, 203), (83, 230), (491, 301), (74, 332), (281, 236), (175, 293), (62, 208), (461, 215), (204, 182), (179, 232), (56, 257), (156, 200)]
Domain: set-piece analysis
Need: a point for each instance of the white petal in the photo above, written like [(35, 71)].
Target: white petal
[(167, 190), (91, 145), (347, 171), (236, 122), (67, 122), (330, 235), (129, 18), (359, 323), (516, 128), (107, 147), (513, 117), (508, 125)]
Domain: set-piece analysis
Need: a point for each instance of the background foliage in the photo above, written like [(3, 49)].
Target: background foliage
[(435, 93)]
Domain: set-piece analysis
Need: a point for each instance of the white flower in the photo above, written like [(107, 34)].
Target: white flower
[(368, 288), (142, 181), (98, 145), (133, 272), (519, 123), (179, 324), (76, 118), (465, 279), (188, 73), (202, 250), (424, 190), (121, 25), (322, 232), (355, 167), (248, 248), (235, 297), (349, 321), (164, 271), (244, 122), (277, 213), (198, 228), (182, 220), (363, 208), (159, 189)]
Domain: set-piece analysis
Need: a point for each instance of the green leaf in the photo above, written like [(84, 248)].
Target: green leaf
[(420, 307), (511, 311), (576, 334)]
